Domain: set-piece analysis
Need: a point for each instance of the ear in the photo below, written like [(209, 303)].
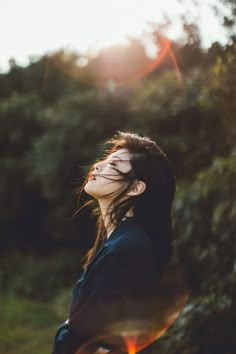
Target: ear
[(137, 188)]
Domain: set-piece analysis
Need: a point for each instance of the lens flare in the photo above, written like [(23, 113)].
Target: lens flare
[(116, 65), (136, 332)]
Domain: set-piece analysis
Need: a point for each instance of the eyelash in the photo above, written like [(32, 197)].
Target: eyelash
[(112, 163)]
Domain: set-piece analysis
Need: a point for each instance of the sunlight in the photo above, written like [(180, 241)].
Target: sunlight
[(37, 27), (108, 22), (84, 26), (91, 25)]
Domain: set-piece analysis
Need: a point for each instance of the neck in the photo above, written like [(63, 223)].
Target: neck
[(109, 226)]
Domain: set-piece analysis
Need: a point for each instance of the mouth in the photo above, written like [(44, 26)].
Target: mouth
[(92, 178)]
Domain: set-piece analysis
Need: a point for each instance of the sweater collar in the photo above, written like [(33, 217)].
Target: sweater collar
[(123, 226)]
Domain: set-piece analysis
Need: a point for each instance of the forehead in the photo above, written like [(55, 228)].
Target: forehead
[(122, 154)]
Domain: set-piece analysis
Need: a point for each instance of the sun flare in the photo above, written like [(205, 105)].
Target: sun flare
[(88, 25), (95, 24), (82, 25)]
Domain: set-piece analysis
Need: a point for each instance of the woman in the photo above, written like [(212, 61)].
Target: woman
[(134, 186)]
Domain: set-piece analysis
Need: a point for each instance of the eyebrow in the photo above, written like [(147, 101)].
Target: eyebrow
[(116, 157)]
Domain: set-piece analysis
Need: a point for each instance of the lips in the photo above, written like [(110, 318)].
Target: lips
[(92, 178)]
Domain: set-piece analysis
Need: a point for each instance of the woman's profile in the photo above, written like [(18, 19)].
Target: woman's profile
[(112, 302)]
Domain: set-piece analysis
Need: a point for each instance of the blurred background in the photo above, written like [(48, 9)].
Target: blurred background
[(73, 73)]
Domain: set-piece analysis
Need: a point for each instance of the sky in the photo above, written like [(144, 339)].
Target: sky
[(31, 28)]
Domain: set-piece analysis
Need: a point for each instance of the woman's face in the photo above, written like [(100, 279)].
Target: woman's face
[(105, 179)]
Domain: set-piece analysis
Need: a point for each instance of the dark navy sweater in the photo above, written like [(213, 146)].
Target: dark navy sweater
[(113, 293)]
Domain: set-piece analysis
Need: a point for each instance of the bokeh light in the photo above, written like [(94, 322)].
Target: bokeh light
[(116, 65), (137, 331)]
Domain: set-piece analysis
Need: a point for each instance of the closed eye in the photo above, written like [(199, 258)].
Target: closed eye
[(112, 163)]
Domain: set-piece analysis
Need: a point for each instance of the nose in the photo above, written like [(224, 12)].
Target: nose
[(98, 165)]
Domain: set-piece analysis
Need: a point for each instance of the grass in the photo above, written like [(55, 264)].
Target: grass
[(35, 301), (26, 326)]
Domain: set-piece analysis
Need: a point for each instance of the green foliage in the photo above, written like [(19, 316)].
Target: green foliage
[(223, 88), (181, 117), (205, 221), (206, 325), (19, 129), (37, 277), (205, 229), (61, 304), (41, 77), (26, 326)]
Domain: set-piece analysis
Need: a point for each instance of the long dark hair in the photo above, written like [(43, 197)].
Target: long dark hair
[(152, 208)]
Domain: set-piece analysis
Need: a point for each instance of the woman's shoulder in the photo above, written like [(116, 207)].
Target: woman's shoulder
[(133, 240)]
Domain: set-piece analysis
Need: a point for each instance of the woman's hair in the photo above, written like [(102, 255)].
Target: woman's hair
[(152, 208)]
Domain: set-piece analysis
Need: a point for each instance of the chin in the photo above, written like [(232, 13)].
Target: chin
[(89, 190)]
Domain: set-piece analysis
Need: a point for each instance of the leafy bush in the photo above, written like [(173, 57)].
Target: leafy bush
[(26, 326), (205, 214), (39, 278)]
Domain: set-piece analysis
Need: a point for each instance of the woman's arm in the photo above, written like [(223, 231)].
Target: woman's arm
[(110, 295), (100, 300), (65, 342), (115, 292), (91, 305)]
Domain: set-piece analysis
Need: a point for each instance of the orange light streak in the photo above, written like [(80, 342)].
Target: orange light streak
[(113, 70), (150, 67), (177, 70)]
